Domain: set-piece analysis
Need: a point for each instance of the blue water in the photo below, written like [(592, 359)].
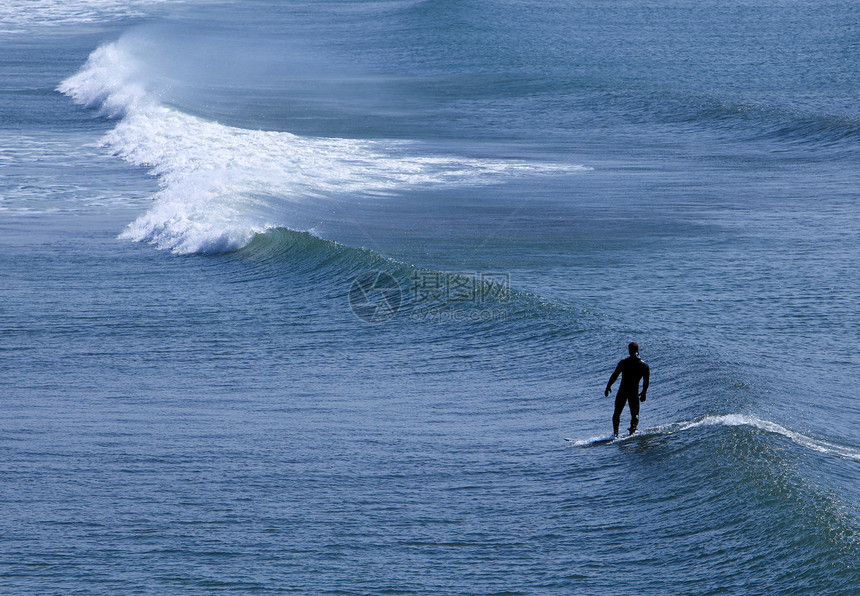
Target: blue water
[(307, 296)]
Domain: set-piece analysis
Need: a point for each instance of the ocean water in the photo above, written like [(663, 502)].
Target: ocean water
[(307, 296)]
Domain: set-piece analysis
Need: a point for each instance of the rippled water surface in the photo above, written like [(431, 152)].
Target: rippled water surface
[(307, 296)]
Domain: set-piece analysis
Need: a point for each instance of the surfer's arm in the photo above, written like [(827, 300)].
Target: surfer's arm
[(645, 378), (612, 380)]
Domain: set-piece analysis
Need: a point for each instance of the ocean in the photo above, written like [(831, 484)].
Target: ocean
[(322, 297)]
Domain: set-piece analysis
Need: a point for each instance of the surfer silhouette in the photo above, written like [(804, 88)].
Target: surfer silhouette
[(632, 370)]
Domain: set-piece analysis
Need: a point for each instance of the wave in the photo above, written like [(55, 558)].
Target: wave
[(818, 445), (768, 123), (762, 122), (778, 124), (221, 185)]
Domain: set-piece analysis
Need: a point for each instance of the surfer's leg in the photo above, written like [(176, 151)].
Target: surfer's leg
[(634, 413), (616, 417)]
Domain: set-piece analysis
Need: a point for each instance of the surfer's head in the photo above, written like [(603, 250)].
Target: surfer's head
[(633, 348)]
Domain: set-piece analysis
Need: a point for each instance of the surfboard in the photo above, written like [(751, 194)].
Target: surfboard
[(590, 442)]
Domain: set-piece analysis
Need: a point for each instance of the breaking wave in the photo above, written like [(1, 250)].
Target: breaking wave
[(221, 185)]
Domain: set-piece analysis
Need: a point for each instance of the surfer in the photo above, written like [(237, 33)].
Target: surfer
[(632, 370)]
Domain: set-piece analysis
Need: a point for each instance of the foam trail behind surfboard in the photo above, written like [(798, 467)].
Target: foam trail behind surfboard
[(597, 440)]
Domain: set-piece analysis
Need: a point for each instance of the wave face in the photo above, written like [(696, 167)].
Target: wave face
[(222, 184)]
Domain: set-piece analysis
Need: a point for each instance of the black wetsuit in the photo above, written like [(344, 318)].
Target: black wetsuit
[(632, 370)]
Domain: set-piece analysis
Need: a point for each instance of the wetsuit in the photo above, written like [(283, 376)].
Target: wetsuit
[(632, 370)]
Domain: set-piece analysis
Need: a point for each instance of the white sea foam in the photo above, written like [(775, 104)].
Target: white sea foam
[(19, 16), (819, 445), (772, 427), (222, 184), (589, 441)]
